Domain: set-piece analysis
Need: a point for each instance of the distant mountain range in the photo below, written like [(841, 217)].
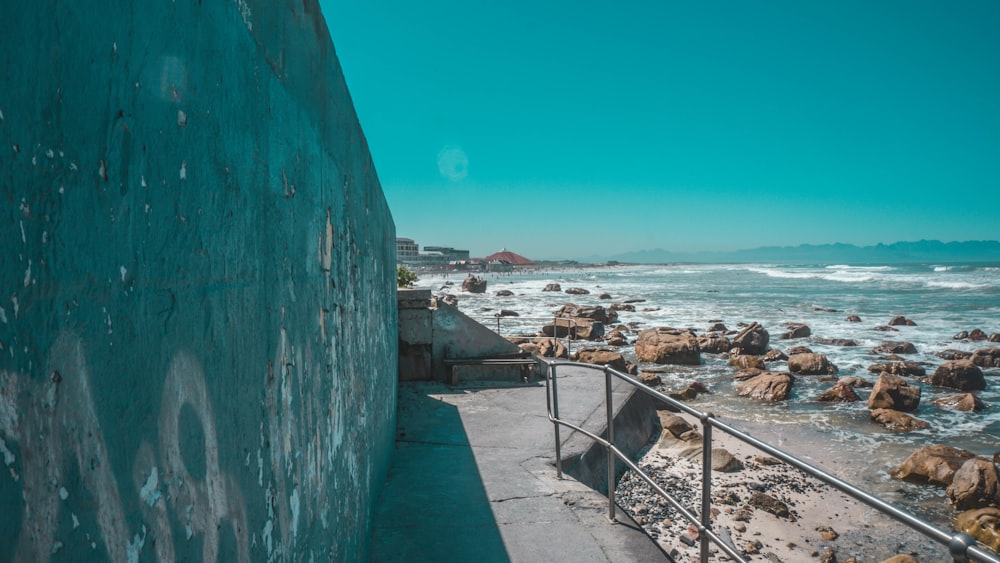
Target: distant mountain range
[(923, 251)]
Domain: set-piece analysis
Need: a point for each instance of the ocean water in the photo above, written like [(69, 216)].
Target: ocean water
[(941, 299)]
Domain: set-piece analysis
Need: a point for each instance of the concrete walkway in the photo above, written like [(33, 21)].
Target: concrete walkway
[(472, 479)]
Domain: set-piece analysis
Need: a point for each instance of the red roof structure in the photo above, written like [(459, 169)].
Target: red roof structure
[(507, 256)]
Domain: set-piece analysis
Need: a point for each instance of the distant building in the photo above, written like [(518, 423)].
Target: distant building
[(408, 252), (406, 249), (450, 253)]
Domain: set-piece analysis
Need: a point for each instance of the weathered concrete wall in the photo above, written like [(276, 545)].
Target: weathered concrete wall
[(197, 286)]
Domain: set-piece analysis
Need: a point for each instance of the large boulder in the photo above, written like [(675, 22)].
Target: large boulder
[(551, 348), (795, 330), (584, 329), (893, 392), (912, 369), (577, 291), (975, 485), (890, 347), (668, 346), (752, 340), (599, 357), (967, 402), (898, 421), (746, 361), (767, 386), (552, 287), (900, 320), (935, 465), (952, 355), (982, 524), (473, 284), (841, 392), (713, 343), (987, 358), (960, 374), (594, 313), (504, 293), (810, 364)]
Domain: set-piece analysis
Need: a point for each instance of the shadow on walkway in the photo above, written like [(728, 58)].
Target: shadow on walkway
[(434, 505)]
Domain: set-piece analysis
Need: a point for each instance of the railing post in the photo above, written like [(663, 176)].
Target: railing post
[(555, 423), (611, 442), (706, 482), (959, 547)]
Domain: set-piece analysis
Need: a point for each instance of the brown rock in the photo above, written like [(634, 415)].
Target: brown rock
[(827, 533), (674, 424), (690, 392), (840, 393), (898, 421), (668, 346), (775, 355), (893, 392), (857, 382), (795, 330), (975, 485), (504, 293), (752, 340), (889, 347), (744, 361), (767, 503), (601, 357), (901, 321), (594, 313), (961, 335), (622, 307), (810, 364), (976, 335), (982, 524), (717, 326), (767, 386), (987, 358), (952, 355), (472, 284), (911, 369), (935, 465), (650, 379), (845, 342), (853, 319), (577, 291), (712, 343), (798, 350), (963, 402), (725, 462), (552, 287), (885, 328), (604, 296), (995, 337), (960, 374)]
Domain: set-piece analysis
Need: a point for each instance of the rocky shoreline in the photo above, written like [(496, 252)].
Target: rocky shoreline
[(768, 510), (764, 373)]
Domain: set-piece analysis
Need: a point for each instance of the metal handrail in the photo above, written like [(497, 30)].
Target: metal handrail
[(962, 547)]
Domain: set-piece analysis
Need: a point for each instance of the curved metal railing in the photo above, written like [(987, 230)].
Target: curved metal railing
[(962, 547)]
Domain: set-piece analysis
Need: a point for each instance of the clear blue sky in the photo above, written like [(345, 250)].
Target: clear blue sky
[(570, 129)]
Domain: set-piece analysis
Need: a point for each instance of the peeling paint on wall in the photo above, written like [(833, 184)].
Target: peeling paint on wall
[(167, 391)]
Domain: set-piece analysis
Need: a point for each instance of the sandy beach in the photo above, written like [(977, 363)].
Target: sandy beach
[(821, 523)]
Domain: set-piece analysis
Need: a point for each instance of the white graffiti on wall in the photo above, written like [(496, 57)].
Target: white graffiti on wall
[(56, 421)]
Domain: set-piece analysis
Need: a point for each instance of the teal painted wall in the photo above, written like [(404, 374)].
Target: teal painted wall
[(197, 286)]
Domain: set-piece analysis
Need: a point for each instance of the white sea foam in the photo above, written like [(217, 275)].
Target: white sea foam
[(956, 285)]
